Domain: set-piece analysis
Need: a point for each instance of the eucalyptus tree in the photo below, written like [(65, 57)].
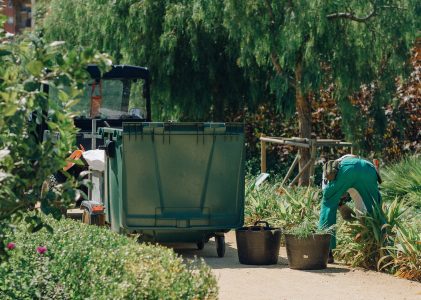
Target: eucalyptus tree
[(306, 44)]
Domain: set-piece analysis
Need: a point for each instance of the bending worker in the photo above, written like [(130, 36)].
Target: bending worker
[(349, 174)]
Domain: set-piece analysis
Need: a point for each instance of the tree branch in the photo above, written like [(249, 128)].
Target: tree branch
[(275, 61), (351, 16), (393, 7), (273, 55), (271, 15)]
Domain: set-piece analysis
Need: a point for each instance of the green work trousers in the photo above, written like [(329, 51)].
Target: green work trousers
[(353, 173)]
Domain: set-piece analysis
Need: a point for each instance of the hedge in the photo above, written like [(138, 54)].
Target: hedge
[(89, 262)]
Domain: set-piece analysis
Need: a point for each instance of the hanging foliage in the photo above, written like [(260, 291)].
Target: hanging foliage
[(195, 75), (209, 59)]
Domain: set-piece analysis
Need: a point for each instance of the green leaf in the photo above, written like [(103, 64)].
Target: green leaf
[(30, 85), (34, 67), (37, 227), (72, 103), (4, 52), (49, 228), (10, 109)]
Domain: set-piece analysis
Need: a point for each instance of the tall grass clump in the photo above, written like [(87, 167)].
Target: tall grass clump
[(369, 241), (285, 207), (405, 254), (79, 261), (262, 203), (387, 239), (403, 180)]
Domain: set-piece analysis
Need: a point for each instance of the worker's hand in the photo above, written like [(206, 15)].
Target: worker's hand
[(346, 212)]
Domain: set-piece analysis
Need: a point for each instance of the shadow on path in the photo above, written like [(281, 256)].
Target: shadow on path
[(230, 260), (237, 281), (330, 271)]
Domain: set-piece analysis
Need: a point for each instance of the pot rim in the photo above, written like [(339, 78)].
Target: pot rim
[(313, 234), (264, 229)]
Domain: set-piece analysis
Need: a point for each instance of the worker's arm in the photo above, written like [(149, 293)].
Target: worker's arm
[(336, 188), (331, 197)]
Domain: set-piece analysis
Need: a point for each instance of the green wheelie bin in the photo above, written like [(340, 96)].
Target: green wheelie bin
[(175, 182)]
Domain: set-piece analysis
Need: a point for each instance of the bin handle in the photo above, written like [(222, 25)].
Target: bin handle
[(261, 222), (109, 148)]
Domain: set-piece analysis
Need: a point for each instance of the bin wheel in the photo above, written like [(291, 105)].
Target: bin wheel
[(200, 245), (220, 245)]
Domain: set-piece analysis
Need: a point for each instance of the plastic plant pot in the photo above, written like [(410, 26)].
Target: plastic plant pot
[(258, 245), (310, 253)]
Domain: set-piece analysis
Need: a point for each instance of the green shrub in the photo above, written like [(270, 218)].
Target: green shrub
[(262, 203), (89, 262), (405, 255), (366, 241), (285, 207), (300, 204), (27, 159), (403, 180), (307, 228), (388, 239)]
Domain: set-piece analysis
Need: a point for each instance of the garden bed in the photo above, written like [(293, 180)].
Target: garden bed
[(387, 240)]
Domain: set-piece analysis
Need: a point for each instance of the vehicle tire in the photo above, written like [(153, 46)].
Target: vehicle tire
[(220, 245), (200, 245)]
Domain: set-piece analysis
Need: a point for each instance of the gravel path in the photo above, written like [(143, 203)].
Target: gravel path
[(243, 282)]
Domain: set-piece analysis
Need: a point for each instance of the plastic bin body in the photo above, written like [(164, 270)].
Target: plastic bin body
[(175, 182)]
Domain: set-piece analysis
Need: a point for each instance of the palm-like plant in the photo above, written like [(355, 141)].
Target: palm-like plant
[(307, 228), (300, 204), (281, 206), (405, 255), (366, 242), (403, 180), (262, 204)]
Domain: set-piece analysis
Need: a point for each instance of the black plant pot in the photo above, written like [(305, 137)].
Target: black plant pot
[(258, 245), (309, 253)]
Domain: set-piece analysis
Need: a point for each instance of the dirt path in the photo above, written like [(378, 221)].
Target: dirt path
[(243, 282)]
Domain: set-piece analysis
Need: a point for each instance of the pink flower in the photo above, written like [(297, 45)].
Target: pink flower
[(41, 249), (11, 246)]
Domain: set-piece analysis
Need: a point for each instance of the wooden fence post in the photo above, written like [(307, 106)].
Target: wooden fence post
[(262, 156), (313, 152)]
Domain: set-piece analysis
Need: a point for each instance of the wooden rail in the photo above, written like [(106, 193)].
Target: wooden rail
[(312, 144)]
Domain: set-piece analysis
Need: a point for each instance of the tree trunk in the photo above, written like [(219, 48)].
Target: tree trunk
[(304, 122), (18, 15), (218, 113), (219, 110)]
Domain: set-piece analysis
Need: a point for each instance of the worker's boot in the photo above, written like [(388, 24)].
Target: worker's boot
[(330, 259)]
